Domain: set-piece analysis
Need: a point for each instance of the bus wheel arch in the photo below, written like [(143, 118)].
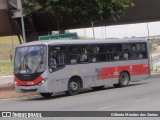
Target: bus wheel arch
[(123, 80), (74, 85)]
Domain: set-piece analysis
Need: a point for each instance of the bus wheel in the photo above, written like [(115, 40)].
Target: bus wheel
[(98, 87), (46, 95), (123, 80), (73, 87)]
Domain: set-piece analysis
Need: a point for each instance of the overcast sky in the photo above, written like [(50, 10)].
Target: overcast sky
[(121, 31)]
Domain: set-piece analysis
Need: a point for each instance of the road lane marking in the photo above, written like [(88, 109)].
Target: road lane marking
[(140, 100), (112, 106)]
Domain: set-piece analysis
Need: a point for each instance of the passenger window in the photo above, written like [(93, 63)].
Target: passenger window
[(57, 56), (142, 51), (129, 51), (97, 53), (78, 54), (74, 53), (114, 52), (134, 51)]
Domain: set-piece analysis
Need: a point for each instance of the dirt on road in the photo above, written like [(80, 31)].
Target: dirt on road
[(8, 92)]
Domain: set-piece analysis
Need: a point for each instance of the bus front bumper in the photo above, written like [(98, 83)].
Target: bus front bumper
[(43, 88)]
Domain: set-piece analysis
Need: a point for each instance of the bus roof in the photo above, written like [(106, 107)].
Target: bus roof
[(83, 41)]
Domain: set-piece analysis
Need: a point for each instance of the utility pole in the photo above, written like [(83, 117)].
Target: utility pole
[(147, 30), (93, 30), (19, 3), (105, 33)]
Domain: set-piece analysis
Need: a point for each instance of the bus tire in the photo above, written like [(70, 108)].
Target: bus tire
[(124, 79), (46, 95), (73, 86), (98, 87)]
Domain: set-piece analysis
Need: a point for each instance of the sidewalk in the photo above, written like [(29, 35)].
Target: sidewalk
[(8, 92)]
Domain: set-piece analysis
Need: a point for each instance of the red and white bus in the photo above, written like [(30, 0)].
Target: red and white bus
[(53, 66)]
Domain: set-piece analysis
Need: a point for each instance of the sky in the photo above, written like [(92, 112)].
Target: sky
[(121, 31)]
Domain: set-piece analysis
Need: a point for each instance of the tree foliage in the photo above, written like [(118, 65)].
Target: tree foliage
[(81, 10)]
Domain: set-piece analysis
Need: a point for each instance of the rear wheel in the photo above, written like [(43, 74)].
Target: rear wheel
[(73, 86), (123, 80), (46, 95)]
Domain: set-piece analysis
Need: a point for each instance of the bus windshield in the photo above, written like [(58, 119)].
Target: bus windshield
[(30, 59)]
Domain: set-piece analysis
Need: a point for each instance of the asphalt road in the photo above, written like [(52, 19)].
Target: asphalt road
[(138, 96)]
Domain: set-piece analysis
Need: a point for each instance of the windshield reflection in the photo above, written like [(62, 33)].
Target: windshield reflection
[(29, 60)]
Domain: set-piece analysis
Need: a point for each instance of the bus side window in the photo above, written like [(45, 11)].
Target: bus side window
[(60, 58), (97, 53), (125, 55), (56, 57), (52, 61), (142, 51), (133, 51), (140, 55), (83, 57), (116, 56), (114, 52), (93, 58), (129, 49), (78, 54), (73, 51)]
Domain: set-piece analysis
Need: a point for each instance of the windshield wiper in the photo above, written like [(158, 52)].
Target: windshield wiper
[(40, 63), (23, 60), (21, 64)]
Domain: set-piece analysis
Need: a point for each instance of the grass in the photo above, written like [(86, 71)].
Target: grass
[(6, 68), (8, 40), (7, 46)]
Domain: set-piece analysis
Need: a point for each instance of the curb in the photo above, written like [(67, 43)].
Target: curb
[(4, 80), (6, 76)]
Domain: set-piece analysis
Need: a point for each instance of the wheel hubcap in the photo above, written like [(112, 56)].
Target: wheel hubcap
[(74, 86)]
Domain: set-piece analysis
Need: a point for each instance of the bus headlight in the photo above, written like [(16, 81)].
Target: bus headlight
[(43, 81), (15, 83)]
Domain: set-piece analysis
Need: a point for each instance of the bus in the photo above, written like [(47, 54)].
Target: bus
[(53, 66)]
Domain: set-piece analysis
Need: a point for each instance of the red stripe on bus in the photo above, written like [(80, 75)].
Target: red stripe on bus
[(29, 83), (114, 72)]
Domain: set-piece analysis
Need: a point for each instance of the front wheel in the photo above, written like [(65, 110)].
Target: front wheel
[(46, 95), (73, 87), (123, 80)]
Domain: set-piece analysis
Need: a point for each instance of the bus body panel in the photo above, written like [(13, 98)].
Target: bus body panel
[(106, 73), (92, 76)]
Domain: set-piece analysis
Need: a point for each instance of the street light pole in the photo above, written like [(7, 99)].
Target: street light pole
[(19, 2), (148, 30), (93, 30)]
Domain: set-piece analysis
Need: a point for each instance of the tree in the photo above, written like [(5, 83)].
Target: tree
[(81, 11)]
